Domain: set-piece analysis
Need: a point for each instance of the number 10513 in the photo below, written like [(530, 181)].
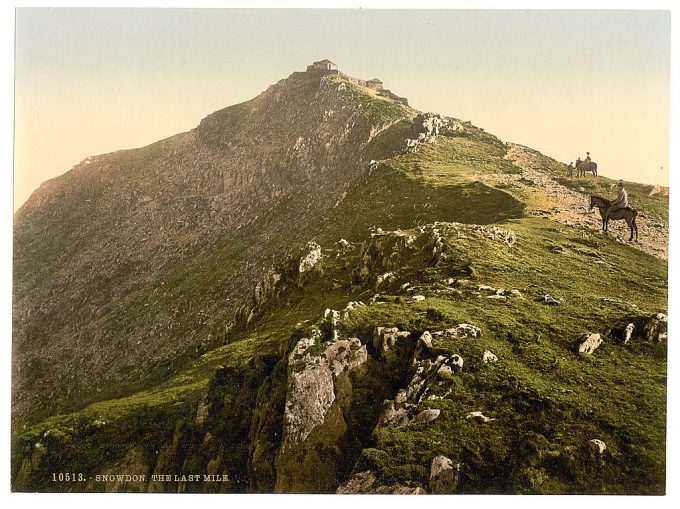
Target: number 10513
[(67, 477)]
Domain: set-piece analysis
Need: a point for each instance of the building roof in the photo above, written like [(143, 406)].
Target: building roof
[(324, 61), (374, 80)]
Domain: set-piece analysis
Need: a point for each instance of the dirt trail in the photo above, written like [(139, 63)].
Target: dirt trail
[(573, 206)]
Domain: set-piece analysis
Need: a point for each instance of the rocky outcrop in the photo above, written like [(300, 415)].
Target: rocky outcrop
[(426, 127), (642, 327), (444, 475), (318, 402), (656, 328), (309, 260)]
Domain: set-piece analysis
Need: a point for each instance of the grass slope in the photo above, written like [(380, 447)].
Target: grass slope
[(546, 398)]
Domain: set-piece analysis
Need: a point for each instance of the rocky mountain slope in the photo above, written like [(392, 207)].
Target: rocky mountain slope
[(322, 290), (127, 265)]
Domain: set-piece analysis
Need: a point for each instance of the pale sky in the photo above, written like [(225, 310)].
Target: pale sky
[(91, 81)]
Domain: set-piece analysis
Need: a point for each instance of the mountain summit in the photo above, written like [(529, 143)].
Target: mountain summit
[(323, 289)]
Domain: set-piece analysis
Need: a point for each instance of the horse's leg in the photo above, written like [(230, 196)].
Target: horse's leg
[(630, 225)]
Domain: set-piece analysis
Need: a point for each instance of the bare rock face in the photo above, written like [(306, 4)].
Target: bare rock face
[(310, 392), (426, 128), (309, 261), (317, 402), (589, 344), (444, 475)]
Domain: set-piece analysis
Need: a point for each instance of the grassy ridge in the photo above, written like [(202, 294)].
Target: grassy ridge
[(546, 398)]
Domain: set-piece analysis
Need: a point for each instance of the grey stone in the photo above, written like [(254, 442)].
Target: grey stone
[(444, 475), (489, 357), (479, 417), (591, 343), (425, 416)]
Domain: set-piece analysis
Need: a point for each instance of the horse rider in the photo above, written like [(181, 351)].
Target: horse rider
[(621, 202), (587, 159)]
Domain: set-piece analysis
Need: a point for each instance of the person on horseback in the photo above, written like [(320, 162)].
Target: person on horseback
[(587, 159), (621, 202)]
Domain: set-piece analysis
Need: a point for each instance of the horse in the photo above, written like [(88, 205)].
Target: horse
[(586, 166), (627, 213)]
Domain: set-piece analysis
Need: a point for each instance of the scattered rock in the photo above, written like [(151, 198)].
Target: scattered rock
[(495, 233), (418, 298), (628, 332), (489, 357), (426, 339), (360, 482), (386, 277), (343, 245), (517, 293), (657, 328), (597, 446), (549, 299), (590, 344), (366, 483), (445, 372), (425, 416), (456, 362), (479, 417), (444, 475), (395, 416), (462, 330)]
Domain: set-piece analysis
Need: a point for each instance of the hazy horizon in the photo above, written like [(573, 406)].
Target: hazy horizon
[(92, 81)]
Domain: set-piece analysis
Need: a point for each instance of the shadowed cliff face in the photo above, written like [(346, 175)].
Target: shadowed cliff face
[(126, 265)]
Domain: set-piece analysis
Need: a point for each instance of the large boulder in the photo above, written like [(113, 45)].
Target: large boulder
[(589, 343)]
